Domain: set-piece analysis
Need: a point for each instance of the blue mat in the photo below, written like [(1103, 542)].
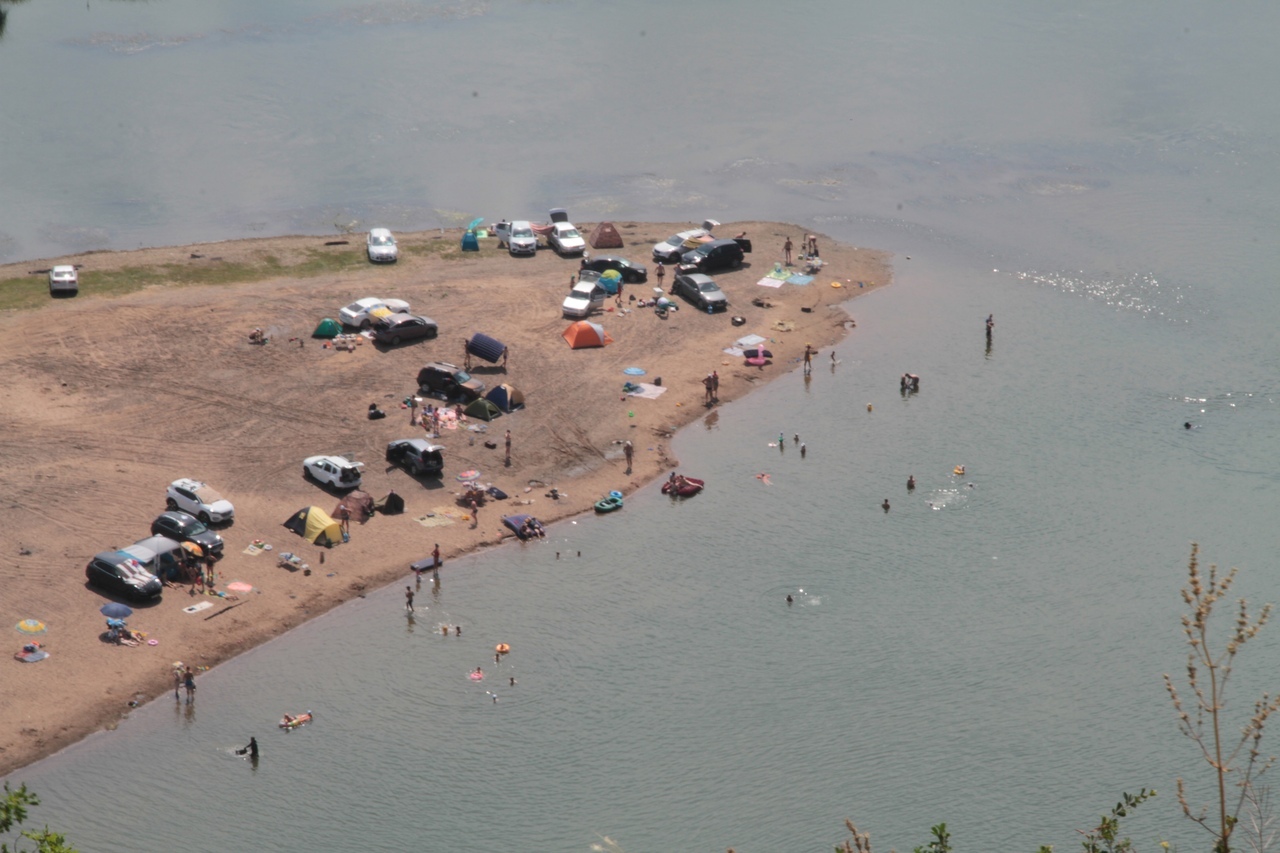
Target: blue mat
[(800, 279), (633, 371)]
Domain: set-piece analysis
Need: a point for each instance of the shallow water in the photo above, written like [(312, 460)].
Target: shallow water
[(987, 653)]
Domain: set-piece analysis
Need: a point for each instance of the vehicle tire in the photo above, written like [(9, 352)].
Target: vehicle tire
[(365, 324), (204, 518), (395, 341), (171, 505), (306, 475)]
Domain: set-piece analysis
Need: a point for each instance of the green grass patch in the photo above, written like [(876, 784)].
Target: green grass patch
[(30, 291)]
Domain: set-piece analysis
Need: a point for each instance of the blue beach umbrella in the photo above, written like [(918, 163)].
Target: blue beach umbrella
[(116, 610)]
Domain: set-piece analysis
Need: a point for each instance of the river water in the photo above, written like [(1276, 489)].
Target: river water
[(988, 653)]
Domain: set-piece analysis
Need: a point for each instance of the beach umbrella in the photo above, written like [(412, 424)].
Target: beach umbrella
[(115, 610), (31, 626), (468, 476)]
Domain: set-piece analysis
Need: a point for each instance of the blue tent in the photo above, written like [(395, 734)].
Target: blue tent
[(469, 242), (505, 397), (485, 347)]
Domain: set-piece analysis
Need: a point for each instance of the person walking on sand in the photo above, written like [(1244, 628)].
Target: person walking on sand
[(660, 271), (813, 245), (715, 386), (786, 252), (707, 384), (507, 461), (408, 598), (628, 451), (475, 514)]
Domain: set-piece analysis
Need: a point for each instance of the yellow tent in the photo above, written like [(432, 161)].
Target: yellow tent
[(314, 524)]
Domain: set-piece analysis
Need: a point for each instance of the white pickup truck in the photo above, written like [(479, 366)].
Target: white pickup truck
[(517, 236)]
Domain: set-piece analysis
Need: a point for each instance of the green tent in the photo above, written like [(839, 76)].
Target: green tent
[(328, 328), (483, 409)]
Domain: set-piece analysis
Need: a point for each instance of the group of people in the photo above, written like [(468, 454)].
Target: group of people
[(184, 678), (532, 528), (909, 382), (809, 249), (712, 385)]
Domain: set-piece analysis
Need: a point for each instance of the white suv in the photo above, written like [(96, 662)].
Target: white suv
[(196, 498), (336, 471)]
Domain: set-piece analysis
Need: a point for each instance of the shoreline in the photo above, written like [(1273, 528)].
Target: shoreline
[(164, 384)]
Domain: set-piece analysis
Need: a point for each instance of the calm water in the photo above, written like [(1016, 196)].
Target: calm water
[(1102, 179)]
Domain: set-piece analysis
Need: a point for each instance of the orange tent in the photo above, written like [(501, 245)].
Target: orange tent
[(583, 334)]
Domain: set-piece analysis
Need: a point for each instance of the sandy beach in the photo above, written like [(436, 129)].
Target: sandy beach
[(110, 397)]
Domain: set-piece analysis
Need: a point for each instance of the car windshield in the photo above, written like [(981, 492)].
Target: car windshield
[(382, 240), (357, 308), (461, 377), (674, 240), (522, 232), (208, 495), (569, 232), (194, 527), (708, 287)]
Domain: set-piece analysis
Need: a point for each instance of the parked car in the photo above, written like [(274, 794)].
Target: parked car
[(187, 528), (670, 250), (64, 281), (360, 313), (701, 291), (196, 498), (717, 255), (336, 471), (417, 456), (403, 327), (632, 273), (442, 379), (565, 239), (517, 236), (587, 296), (381, 247), (120, 573)]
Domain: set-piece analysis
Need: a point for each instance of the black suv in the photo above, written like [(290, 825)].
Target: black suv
[(187, 528), (709, 257), (441, 379)]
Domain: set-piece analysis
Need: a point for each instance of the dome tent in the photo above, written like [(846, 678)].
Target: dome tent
[(328, 328), (314, 525), (506, 397), (583, 334), (482, 409)]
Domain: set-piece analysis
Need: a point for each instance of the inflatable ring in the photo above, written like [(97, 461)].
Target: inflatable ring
[(616, 494), (475, 676), (502, 648), (958, 471), (738, 320)]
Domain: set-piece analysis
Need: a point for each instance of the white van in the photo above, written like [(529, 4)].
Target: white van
[(160, 555)]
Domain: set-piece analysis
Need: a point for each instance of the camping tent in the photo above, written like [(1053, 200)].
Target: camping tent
[(392, 504), (482, 409), (314, 525), (506, 397), (328, 328), (583, 334), (605, 236), (355, 504), (469, 242), (611, 281), (483, 346)]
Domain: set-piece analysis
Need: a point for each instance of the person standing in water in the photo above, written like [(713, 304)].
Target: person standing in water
[(911, 483)]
